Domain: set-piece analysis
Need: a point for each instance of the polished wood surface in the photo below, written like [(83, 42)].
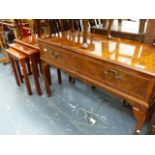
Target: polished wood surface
[(33, 55), (123, 67), (30, 41), (128, 53), (16, 53), (25, 49), (16, 56)]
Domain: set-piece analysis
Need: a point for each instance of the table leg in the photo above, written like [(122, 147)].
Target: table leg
[(35, 57), (140, 119), (39, 65), (59, 76), (14, 70), (93, 87), (47, 85), (35, 74), (28, 66), (109, 28), (49, 74), (27, 82), (70, 78), (19, 71), (39, 62)]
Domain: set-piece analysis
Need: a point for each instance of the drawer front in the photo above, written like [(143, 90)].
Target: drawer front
[(97, 70), (54, 55), (110, 75)]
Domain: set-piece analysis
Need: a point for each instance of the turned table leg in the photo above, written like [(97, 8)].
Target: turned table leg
[(44, 67), (140, 119)]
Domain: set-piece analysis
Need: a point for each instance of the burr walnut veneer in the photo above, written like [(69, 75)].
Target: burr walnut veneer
[(122, 67)]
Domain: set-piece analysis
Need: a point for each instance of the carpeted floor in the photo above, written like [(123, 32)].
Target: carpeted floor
[(72, 109)]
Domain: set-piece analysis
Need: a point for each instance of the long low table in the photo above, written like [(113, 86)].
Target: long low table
[(122, 67)]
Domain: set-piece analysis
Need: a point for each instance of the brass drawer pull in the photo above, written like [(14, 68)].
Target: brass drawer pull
[(54, 55), (117, 76)]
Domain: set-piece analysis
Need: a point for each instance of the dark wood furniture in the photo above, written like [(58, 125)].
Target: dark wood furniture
[(31, 41), (123, 67), (17, 57)]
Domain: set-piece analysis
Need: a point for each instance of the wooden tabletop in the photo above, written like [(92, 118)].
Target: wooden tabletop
[(16, 53), (129, 53), (25, 49), (30, 41)]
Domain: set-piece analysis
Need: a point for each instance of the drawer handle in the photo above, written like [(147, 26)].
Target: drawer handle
[(54, 55), (117, 76)]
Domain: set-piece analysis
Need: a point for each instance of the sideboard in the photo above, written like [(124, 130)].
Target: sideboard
[(124, 68)]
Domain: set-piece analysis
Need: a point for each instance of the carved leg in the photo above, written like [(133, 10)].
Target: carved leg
[(140, 119), (47, 85)]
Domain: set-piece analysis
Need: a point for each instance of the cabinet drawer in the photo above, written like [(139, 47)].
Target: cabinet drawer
[(97, 70), (112, 76), (54, 55)]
